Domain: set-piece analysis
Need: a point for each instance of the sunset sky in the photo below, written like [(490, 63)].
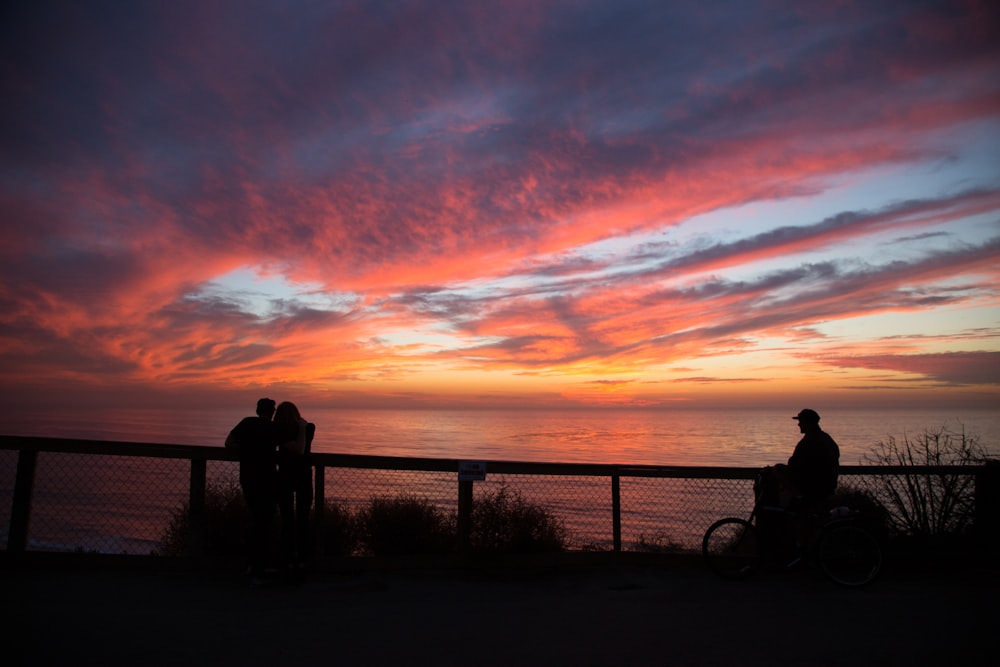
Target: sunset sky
[(526, 203)]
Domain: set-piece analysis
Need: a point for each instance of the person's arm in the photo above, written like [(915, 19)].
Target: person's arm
[(233, 439)]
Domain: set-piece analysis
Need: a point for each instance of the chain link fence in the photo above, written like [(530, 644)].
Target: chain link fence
[(118, 498)]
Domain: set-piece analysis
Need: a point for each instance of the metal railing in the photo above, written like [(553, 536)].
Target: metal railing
[(117, 497)]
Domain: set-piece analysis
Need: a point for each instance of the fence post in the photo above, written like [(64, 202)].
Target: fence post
[(316, 542), (987, 510), (20, 511), (616, 511), (196, 508), (319, 495), (464, 515)]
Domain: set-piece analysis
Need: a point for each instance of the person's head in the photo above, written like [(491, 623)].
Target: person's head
[(265, 408), (287, 413), (808, 420)]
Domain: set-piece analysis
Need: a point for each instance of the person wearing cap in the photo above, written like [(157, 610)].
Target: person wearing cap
[(803, 484), (810, 476), (814, 465), (256, 439)]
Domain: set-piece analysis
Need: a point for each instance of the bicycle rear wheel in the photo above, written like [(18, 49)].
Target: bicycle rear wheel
[(732, 548), (849, 555)]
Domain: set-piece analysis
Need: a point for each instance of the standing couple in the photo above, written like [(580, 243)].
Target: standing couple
[(274, 452)]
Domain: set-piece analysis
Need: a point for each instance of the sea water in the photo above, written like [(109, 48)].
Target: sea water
[(740, 437)]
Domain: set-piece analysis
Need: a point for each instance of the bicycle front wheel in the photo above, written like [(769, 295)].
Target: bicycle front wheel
[(849, 555), (731, 548)]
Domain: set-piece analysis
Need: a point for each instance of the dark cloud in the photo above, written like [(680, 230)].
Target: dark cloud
[(952, 368)]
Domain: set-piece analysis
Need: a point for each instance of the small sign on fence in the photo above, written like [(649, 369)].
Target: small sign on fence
[(471, 471)]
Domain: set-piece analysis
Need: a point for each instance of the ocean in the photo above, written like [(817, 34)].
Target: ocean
[(740, 437)]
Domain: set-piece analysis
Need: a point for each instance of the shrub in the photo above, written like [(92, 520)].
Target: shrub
[(872, 513), (226, 524), (404, 525), (659, 543), (335, 532), (928, 504), (504, 522)]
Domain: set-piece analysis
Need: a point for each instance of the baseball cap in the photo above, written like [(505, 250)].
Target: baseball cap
[(807, 415)]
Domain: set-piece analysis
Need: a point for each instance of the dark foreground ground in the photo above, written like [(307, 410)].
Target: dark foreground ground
[(615, 612)]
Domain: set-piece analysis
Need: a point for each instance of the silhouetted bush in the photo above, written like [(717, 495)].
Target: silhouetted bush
[(226, 525), (924, 504), (659, 543), (335, 532), (871, 514), (404, 525), (504, 522)]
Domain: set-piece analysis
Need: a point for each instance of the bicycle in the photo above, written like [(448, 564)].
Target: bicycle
[(844, 551)]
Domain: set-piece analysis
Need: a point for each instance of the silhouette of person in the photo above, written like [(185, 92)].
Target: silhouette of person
[(256, 438), (810, 476), (295, 486), (815, 464), (803, 484)]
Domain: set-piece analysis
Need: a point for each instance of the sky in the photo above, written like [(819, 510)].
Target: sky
[(512, 204)]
